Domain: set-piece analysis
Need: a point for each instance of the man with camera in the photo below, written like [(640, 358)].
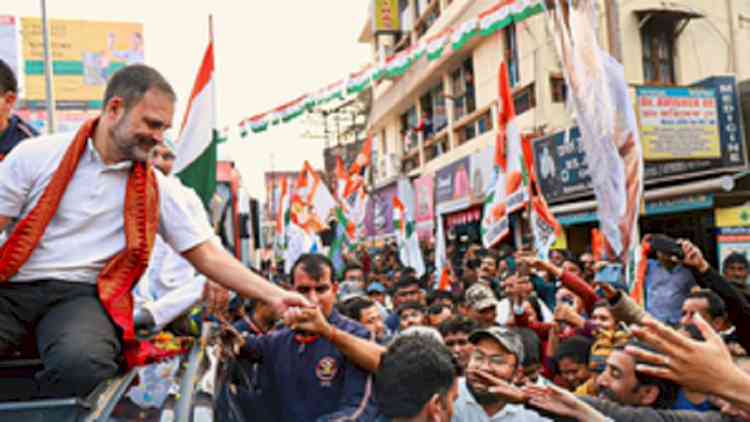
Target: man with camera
[(667, 282)]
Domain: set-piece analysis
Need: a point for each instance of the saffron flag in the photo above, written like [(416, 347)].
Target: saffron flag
[(195, 164), (314, 201)]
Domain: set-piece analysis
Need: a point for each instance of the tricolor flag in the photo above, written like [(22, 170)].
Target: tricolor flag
[(359, 168), (196, 147), (342, 180), (403, 222), (316, 202), (509, 193), (508, 151)]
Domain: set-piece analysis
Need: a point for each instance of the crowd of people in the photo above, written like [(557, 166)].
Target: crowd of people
[(514, 338)]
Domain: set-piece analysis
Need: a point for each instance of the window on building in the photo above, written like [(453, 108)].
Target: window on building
[(511, 54), (525, 99), (405, 15), (383, 143), (428, 11), (409, 123), (436, 148), (658, 41), (434, 117), (477, 126), (559, 89), (462, 79)]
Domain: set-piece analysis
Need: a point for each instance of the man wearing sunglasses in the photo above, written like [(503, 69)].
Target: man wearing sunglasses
[(313, 379)]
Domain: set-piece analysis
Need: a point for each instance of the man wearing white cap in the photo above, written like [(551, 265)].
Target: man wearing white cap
[(170, 285)]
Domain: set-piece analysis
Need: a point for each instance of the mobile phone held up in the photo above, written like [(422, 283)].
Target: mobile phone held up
[(611, 273)]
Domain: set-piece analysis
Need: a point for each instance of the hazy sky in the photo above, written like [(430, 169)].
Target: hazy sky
[(267, 53)]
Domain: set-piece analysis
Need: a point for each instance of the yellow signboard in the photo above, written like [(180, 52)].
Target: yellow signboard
[(678, 123), (732, 217), (84, 55), (386, 16), (561, 242)]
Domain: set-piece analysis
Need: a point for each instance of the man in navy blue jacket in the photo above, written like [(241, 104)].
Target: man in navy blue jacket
[(311, 379)]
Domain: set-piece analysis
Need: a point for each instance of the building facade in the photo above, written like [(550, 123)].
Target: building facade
[(442, 113)]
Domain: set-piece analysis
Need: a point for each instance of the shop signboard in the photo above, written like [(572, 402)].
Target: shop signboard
[(560, 166), (386, 17), (452, 181), (560, 161)]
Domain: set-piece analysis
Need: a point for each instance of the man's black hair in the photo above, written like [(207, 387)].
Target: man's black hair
[(8, 81), (405, 281), (577, 348), (413, 370), (716, 306), (353, 307), (667, 389), (312, 264), (436, 295), (132, 82), (410, 305), (408, 271), (531, 345), (456, 325), (736, 258), (352, 267)]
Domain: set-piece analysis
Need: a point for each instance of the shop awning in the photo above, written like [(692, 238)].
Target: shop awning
[(680, 14), (718, 184)]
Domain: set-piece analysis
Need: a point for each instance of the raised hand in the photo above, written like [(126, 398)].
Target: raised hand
[(561, 402)]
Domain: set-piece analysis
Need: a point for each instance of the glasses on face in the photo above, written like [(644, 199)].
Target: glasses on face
[(478, 358), (303, 290)]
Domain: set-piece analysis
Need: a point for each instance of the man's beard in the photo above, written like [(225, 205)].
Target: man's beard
[(129, 145), (484, 398)]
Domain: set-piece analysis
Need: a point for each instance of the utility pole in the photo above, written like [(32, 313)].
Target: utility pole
[(614, 35), (48, 70)]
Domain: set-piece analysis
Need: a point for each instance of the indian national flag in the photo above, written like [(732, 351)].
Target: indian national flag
[(403, 222), (342, 179), (508, 150), (196, 147), (315, 197)]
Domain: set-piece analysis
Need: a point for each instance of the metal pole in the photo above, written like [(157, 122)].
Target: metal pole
[(48, 71)]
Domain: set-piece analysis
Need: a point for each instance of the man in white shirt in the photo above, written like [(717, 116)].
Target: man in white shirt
[(170, 285), (53, 296)]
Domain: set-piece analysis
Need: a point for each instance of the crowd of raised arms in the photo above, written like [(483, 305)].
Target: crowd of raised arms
[(511, 337)]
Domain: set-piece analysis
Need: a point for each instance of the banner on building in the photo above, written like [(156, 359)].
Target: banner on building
[(735, 240), (85, 54), (482, 170), (386, 17), (425, 212), (678, 123), (379, 219), (452, 181)]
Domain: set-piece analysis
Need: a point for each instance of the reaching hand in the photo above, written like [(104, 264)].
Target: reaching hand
[(705, 366), (216, 298), (503, 389), (285, 300), (561, 402), (309, 320)]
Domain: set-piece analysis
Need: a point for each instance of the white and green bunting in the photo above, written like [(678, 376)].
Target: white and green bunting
[(436, 46), (485, 24), (465, 33)]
